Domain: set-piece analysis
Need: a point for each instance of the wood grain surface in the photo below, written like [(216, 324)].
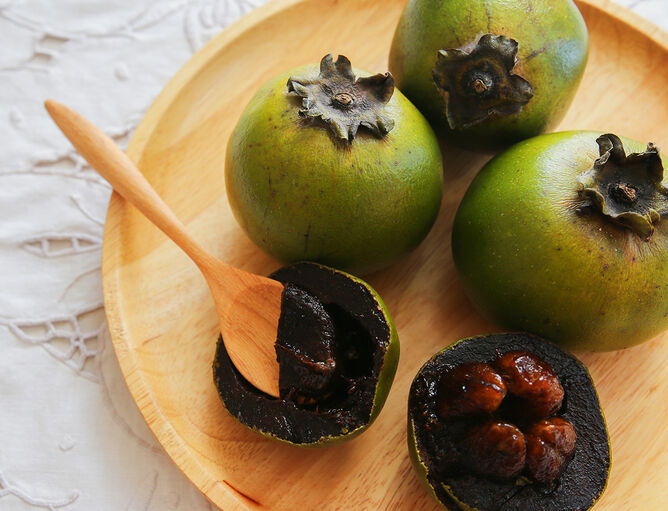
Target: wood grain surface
[(164, 325)]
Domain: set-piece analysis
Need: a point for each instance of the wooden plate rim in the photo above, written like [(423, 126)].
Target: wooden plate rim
[(141, 392)]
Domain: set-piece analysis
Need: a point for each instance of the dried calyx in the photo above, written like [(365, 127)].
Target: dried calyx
[(343, 102), (627, 189), (508, 403), (480, 84)]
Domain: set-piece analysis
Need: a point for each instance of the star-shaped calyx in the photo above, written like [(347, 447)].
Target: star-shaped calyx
[(626, 189), (479, 84), (344, 103)]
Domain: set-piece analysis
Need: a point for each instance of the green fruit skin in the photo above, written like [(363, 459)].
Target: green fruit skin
[(530, 263), (385, 379), (301, 195), (421, 469), (552, 53)]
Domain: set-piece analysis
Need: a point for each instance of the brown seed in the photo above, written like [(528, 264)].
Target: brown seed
[(549, 443), (496, 449), (557, 432), (470, 389), (533, 381)]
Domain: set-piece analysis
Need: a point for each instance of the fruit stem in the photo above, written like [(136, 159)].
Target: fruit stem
[(625, 192), (479, 86)]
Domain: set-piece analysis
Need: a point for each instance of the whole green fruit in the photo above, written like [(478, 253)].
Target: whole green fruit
[(490, 73), (305, 184), (563, 238)]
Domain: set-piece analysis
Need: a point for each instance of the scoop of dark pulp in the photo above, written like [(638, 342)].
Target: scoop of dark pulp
[(489, 455), (332, 339)]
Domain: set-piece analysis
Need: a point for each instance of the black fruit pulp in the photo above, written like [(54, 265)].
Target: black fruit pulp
[(360, 340), (304, 347), (321, 352)]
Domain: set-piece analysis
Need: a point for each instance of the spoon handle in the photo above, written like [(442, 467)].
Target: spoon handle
[(102, 153)]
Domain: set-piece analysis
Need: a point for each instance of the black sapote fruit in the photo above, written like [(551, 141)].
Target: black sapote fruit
[(337, 350), (564, 235), (532, 438), (331, 164), (490, 73)]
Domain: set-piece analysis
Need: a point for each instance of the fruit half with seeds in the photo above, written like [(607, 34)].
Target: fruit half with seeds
[(532, 436)]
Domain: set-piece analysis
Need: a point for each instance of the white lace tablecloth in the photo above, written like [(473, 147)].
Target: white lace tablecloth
[(70, 435)]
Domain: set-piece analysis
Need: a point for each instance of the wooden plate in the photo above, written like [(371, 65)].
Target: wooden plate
[(163, 323)]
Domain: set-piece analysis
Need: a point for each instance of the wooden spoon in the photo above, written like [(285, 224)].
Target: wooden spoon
[(248, 305)]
